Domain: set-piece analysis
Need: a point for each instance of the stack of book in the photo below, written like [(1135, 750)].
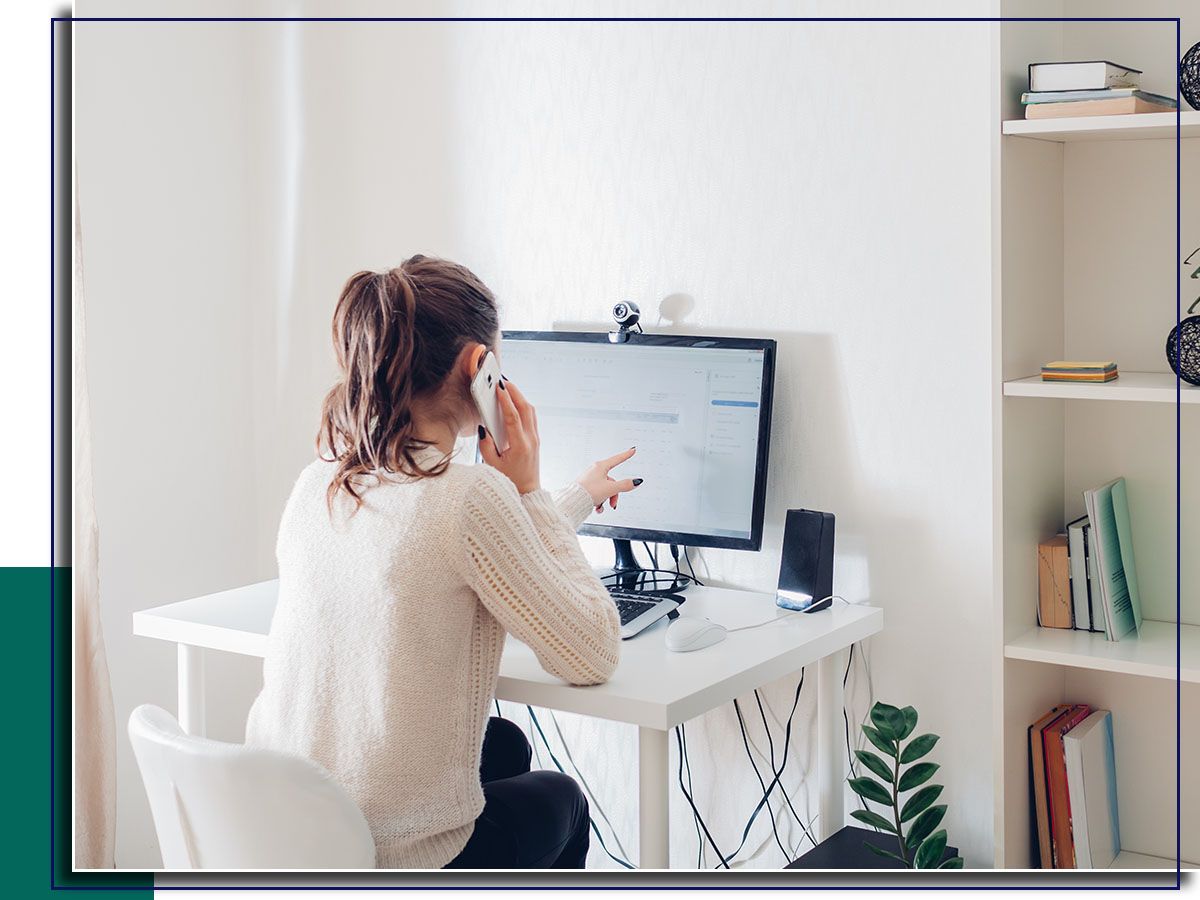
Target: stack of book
[(1087, 577), (1094, 88), (1074, 768), (1086, 372)]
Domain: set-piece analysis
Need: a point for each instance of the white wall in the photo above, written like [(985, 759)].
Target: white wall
[(787, 178)]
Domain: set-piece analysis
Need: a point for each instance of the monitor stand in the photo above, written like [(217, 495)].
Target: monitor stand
[(625, 568), (628, 575)]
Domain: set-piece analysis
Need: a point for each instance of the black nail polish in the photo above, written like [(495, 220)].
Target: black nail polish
[(638, 481), (482, 432), (502, 387)]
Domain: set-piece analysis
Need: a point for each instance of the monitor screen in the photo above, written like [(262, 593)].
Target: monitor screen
[(698, 410)]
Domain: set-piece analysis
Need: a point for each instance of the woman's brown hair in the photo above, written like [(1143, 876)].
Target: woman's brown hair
[(397, 335)]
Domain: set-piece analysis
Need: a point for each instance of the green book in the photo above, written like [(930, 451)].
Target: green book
[(1108, 513)]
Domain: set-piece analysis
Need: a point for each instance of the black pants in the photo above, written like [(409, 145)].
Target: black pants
[(530, 820)]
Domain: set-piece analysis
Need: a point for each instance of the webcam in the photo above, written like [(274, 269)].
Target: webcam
[(626, 314)]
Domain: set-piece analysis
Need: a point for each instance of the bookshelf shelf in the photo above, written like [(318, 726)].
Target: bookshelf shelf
[(1144, 387), (1137, 127), (1129, 860), (1151, 654)]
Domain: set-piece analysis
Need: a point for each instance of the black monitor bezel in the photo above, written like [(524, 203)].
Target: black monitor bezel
[(767, 345)]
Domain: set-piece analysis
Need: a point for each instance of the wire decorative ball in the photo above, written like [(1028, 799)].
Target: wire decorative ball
[(1189, 76), (1183, 349)]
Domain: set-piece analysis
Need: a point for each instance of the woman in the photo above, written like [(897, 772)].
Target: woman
[(400, 573)]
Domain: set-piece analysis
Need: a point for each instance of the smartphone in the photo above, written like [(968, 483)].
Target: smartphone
[(483, 391)]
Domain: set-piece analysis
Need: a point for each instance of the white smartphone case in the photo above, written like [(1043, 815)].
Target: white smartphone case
[(483, 391)]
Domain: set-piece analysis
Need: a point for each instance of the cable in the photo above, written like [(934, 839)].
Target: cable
[(783, 762), (591, 821), (802, 784), (675, 584), (777, 618), (775, 780), (587, 787), (696, 816), (679, 731), (653, 554), (536, 754), (761, 783), (688, 559)]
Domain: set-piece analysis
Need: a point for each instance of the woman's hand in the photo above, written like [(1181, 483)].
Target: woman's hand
[(520, 461), (600, 486)]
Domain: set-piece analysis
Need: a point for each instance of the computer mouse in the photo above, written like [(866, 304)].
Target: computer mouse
[(693, 633)]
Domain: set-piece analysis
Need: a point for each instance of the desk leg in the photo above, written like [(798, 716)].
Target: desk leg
[(654, 780), (191, 689), (831, 744)]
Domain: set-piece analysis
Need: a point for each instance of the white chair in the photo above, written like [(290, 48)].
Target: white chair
[(228, 806)]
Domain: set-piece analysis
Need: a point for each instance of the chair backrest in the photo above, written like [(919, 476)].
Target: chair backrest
[(229, 806)]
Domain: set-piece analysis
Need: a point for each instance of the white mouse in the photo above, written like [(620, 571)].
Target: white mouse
[(693, 633)]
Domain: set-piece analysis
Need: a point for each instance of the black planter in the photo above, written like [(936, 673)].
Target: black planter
[(845, 850)]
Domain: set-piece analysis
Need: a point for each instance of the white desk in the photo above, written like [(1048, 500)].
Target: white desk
[(651, 688)]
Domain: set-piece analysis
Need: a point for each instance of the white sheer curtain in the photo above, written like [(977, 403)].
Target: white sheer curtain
[(95, 773)]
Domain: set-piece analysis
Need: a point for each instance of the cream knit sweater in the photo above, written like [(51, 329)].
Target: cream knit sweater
[(384, 650)]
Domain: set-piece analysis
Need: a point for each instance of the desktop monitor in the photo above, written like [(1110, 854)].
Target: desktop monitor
[(698, 409)]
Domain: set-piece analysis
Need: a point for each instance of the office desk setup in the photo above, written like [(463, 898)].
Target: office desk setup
[(652, 687)]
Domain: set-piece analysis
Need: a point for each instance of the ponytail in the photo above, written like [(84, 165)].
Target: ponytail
[(396, 335)]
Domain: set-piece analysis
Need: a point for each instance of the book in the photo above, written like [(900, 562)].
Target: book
[(1054, 583), (1081, 76), (1058, 799), (1095, 610), (1092, 787), (1106, 94), (1074, 370), (1037, 778), (1116, 106), (1108, 513), (1081, 614), (1101, 621)]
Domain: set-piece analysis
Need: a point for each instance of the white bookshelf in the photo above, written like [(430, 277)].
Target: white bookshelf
[(1138, 387), (1086, 267), (1139, 127)]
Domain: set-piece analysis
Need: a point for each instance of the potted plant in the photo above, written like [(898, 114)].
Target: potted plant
[(915, 822)]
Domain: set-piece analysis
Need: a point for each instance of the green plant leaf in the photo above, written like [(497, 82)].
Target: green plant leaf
[(872, 790), (874, 820), (879, 851), (929, 854), (910, 722), (918, 747), (918, 774), (924, 824), (888, 719), (920, 801), (876, 737), (874, 763), (954, 862)]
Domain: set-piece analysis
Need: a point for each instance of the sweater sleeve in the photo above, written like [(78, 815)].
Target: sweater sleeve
[(523, 560), (574, 503)]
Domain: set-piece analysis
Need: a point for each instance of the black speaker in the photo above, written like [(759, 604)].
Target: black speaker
[(806, 567)]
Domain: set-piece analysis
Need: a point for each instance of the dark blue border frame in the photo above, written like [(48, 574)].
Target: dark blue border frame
[(1179, 492)]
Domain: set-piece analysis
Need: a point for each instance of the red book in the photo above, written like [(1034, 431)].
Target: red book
[(1062, 845), (1041, 804)]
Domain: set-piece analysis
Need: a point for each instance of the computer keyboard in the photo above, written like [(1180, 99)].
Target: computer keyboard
[(631, 604)]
